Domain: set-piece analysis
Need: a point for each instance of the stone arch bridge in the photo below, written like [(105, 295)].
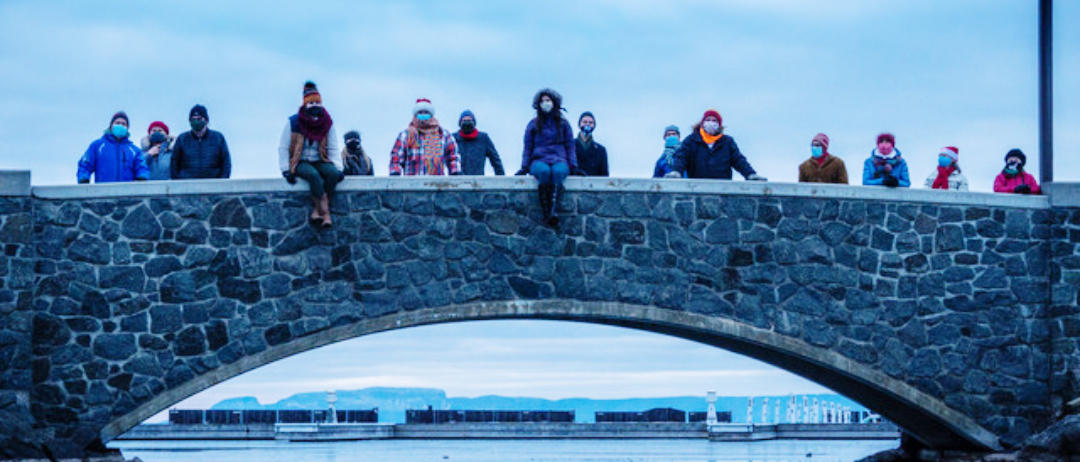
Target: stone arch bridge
[(952, 314)]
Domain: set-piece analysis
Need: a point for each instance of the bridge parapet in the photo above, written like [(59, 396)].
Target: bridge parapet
[(950, 313)]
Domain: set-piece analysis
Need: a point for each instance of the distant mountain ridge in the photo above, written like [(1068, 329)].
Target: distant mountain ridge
[(393, 402)]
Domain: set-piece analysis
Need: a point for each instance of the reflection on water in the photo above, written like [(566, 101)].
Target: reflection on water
[(503, 451)]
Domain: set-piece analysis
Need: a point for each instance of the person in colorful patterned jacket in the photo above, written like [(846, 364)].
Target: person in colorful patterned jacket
[(886, 166), (1013, 179), (308, 151), (822, 166), (113, 157), (947, 175), (424, 148)]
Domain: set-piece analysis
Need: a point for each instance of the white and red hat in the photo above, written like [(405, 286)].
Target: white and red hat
[(423, 104), (950, 152)]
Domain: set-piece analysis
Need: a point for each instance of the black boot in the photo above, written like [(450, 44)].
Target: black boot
[(544, 192), (556, 194)]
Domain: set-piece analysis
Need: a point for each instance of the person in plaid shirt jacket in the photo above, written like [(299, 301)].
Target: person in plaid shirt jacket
[(425, 148)]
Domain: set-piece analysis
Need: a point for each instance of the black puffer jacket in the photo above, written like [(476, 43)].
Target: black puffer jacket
[(206, 157), (697, 160)]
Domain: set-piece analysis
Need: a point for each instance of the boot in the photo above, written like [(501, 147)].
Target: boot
[(324, 209), (316, 213), (556, 194), (545, 191)]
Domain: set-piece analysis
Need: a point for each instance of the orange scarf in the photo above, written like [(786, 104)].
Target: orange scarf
[(709, 139)]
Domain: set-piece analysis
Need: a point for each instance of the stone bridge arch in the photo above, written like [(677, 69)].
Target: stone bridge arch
[(953, 314), (920, 414)]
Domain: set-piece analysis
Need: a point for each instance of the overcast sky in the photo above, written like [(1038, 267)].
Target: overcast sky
[(936, 73)]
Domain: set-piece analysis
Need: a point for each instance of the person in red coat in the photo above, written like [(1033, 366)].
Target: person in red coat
[(1013, 179)]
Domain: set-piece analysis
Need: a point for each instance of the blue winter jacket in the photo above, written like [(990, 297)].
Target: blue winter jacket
[(110, 160), (874, 176), (695, 159), (550, 143), (662, 166)]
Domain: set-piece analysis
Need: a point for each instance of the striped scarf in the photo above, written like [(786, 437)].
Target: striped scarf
[(432, 143)]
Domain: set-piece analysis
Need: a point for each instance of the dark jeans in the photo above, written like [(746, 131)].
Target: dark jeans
[(321, 176), (549, 173)]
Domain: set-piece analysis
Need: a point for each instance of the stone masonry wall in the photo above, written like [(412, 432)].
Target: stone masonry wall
[(1063, 311), (137, 296)]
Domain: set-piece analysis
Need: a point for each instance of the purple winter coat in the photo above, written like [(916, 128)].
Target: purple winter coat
[(546, 144)]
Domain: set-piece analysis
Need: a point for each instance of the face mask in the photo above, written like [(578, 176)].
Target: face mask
[(423, 117), (944, 161), (547, 106), (671, 141), (1012, 168), (587, 129), (314, 111), (157, 138), (711, 127), (352, 145), (468, 127), (198, 125), (817, 151), (119, 131)]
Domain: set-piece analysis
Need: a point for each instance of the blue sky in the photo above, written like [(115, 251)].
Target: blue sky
[(957, 73)]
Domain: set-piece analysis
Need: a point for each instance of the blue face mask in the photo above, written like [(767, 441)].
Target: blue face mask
[(944, 161), (119, 131), (423, 117), (817, 151), (671, 141)]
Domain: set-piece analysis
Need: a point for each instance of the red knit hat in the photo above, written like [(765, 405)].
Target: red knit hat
[(950, 152), (714, 113), (423, 104), (886, 137), (158, 123), (823, 139)]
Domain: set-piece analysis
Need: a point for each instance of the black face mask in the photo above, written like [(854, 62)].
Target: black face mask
[(314, 111), (468, 127), (157, 138), (352, 145)]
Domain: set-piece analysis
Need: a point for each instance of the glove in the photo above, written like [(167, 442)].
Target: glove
[(521, 172), (578, 172), (756, 177), (891, 181), (673, 175), (291, 178), (140, 179), (1022, 189), (84, 181)]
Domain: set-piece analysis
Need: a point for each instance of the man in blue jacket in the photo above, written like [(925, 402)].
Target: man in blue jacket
[(708, 153), (113, 157), (201, 152)]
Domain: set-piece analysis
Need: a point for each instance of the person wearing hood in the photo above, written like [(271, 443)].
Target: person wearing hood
[(475, 147), (1013, 179), (549, 154), (424, 148), (709, 153), (947, 175), (353, 157), (886, 166), (113, 157), (305, 152), (666, 163), (591, 156), (157, 149), (201, 152), (822, 167)]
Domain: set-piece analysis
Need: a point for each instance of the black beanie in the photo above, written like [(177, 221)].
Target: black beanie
[(352, 134), (1017, 153), (586, 113), (199, 110)]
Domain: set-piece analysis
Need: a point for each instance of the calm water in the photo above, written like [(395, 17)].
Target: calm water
[(502, 451)]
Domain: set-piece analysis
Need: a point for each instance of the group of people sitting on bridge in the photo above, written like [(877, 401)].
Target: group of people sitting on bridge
[(308, 150)]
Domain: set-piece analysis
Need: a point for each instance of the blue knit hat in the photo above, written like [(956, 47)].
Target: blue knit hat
[(671, 128), (466, 113)]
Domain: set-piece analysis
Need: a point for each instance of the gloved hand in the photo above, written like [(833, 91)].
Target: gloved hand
[(578, 172), (84, 181), (140, 179), (891, 181), (291, 178), (1022, 189), (756, 177), (673, 175), (521, 172)]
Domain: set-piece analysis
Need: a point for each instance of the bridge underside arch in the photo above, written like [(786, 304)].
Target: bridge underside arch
[(924, 417)]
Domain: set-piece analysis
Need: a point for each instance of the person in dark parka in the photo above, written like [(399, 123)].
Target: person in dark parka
[(354, 161), (549, 152), (708, 153), (201, 152), (475, 147), (592, 156)]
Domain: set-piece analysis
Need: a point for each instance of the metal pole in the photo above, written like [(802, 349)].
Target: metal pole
[(1046, 92)]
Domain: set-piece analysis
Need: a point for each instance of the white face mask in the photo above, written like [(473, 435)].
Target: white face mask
[(547, 106), (711, 127)]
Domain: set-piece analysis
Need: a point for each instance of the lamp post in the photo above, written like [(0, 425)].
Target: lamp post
[(1046, 92)]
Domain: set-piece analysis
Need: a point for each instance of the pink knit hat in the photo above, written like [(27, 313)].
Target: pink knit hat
[(950, 152)]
